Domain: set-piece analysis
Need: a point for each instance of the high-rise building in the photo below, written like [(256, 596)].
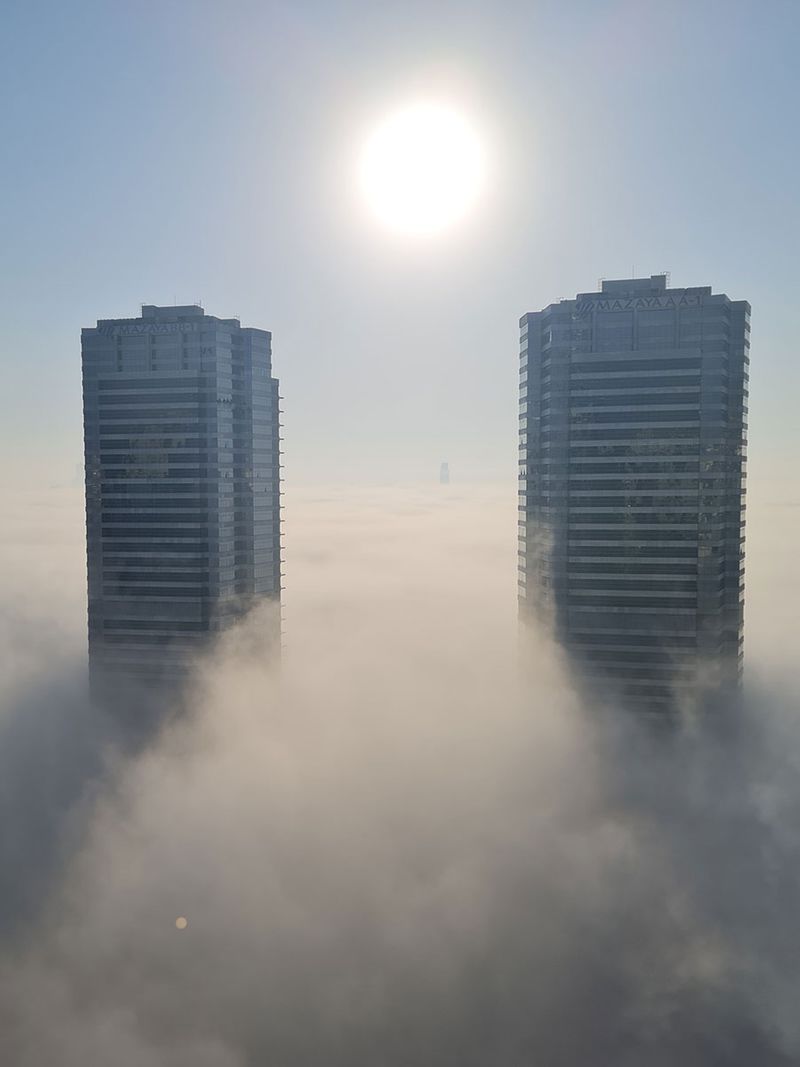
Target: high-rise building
[(182, 453), (633, 408)]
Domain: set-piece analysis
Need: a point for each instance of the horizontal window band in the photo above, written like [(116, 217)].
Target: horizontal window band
[(603, 585), (632, 518), (629, 503), (580, 384), (124, 504), (150, 546), (653, 655), (157, 591), (656, 363), (188, 426), (641, 433), (627, 401), (645, 640), (119, 384), (611, 484), (153, 533), (136, 640), (125, 516), (151, 576), (633, 603), (641, 536), (131, 398)]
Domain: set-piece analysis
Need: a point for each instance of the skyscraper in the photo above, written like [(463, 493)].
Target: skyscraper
[(633, 408), (181, 430)]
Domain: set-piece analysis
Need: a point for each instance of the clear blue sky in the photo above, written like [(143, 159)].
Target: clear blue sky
[(193, 150)]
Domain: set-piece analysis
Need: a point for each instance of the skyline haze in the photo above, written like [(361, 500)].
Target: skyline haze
[(201, 155), (429, 833)]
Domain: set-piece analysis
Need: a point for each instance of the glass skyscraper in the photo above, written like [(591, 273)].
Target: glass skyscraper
[(633, 406), (182, 453)]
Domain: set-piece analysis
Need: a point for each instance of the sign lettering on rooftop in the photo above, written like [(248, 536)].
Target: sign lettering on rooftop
[(148, 327), (636, 303)]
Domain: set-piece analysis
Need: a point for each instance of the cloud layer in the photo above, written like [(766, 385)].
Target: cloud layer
[(410, 846)]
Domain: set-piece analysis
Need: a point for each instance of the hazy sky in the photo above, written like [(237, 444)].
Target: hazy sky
[(206, 151)]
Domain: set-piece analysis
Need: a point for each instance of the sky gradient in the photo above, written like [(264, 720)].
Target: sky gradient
[(206, 152)]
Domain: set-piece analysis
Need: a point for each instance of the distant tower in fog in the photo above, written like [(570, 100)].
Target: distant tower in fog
[(632, 440), (444, 474), (182, 489)]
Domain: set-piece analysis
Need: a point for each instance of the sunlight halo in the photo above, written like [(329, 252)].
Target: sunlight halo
[(422, 169)]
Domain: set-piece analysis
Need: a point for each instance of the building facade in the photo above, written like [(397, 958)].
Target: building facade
[(182, 455), (633, 406)]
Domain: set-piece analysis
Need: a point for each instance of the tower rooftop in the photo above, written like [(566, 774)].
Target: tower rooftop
[(153, 311), (656, 283)]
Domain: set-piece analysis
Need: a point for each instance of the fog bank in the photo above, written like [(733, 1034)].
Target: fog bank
[(401, 849)]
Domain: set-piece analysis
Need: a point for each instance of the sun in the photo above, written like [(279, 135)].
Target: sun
[(422, 169)]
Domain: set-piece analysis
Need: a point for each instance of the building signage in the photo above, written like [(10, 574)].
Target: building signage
[(148, 327), (637, 303)]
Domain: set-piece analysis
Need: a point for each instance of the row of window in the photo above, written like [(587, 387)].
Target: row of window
[(579, 384), (183, 592), (152, 455), (653, 363), (186, 534), (116, 557), (145, 547), (635, 467), (198, 411), (649, 640), (125, 505), (161, 640), (633, 602), (630, 484), (119, 385), (188, 426), (186, 518), (634, 535), (651, 655), (137, 490), (656, 676), (628, 400), (622, 341), (200, 397), (659, 585), (652, 568), (183, 472), (632, 503), (655, 436), (153, 441), (588, 417), (664, 621), (689, 432), (156, 571), (660, 450), (632, 518)]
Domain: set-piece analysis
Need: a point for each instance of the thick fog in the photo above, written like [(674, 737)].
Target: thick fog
[(412, 845)]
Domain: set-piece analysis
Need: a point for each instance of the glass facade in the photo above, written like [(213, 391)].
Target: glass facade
[(182, 452), (633, 421)]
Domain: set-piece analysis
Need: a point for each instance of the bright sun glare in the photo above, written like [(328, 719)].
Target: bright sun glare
[(422, 169)]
